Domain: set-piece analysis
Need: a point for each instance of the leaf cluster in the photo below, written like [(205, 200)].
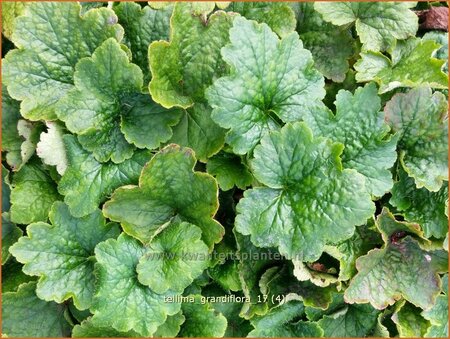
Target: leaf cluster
[(217, 169)]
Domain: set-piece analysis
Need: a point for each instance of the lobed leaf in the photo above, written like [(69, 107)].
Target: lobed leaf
[(51, 38), (279, 322), (411, 65), (229, 171), (86, 183), (198, 131), (10, 234), (50, 147), (271, 81), (309, 200), (202, 321), (420, 118), (400, 269), (120, 300), (185, 66), (173, 259), (25, 315), (278, 16), (142, 26), (32, 195), (324, 40), (61, 254), (107, 110), (378, 24), (168, 188), (421, 206), (359, 125)]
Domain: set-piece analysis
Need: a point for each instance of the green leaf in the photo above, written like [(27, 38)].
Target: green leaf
[(378, 24), (145, 123), (442, 39), (350, 321), (11, 10), (61, 254), (143, 26), (173, 259), (411, 65), (186, 65), (270, 81), (331, 47), (420, 118), (25, 315), (33, 194), (369, 65), (359, 125), (121, 301), (168, 188), (438, 316), (107, 110), (10, 234), (279, 16), (50, 147), (13, 276), (237, 326), (201, 320), (226, 275), (280, 322), (300, 171), (78, 315), (410, 324), (171, 327), (88, 329), (229, 171), (51, 38), (198, 131), (400, 269), (86, 183), (421, 206)]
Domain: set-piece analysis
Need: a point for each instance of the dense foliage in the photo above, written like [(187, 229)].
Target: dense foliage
[(224, 169)]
